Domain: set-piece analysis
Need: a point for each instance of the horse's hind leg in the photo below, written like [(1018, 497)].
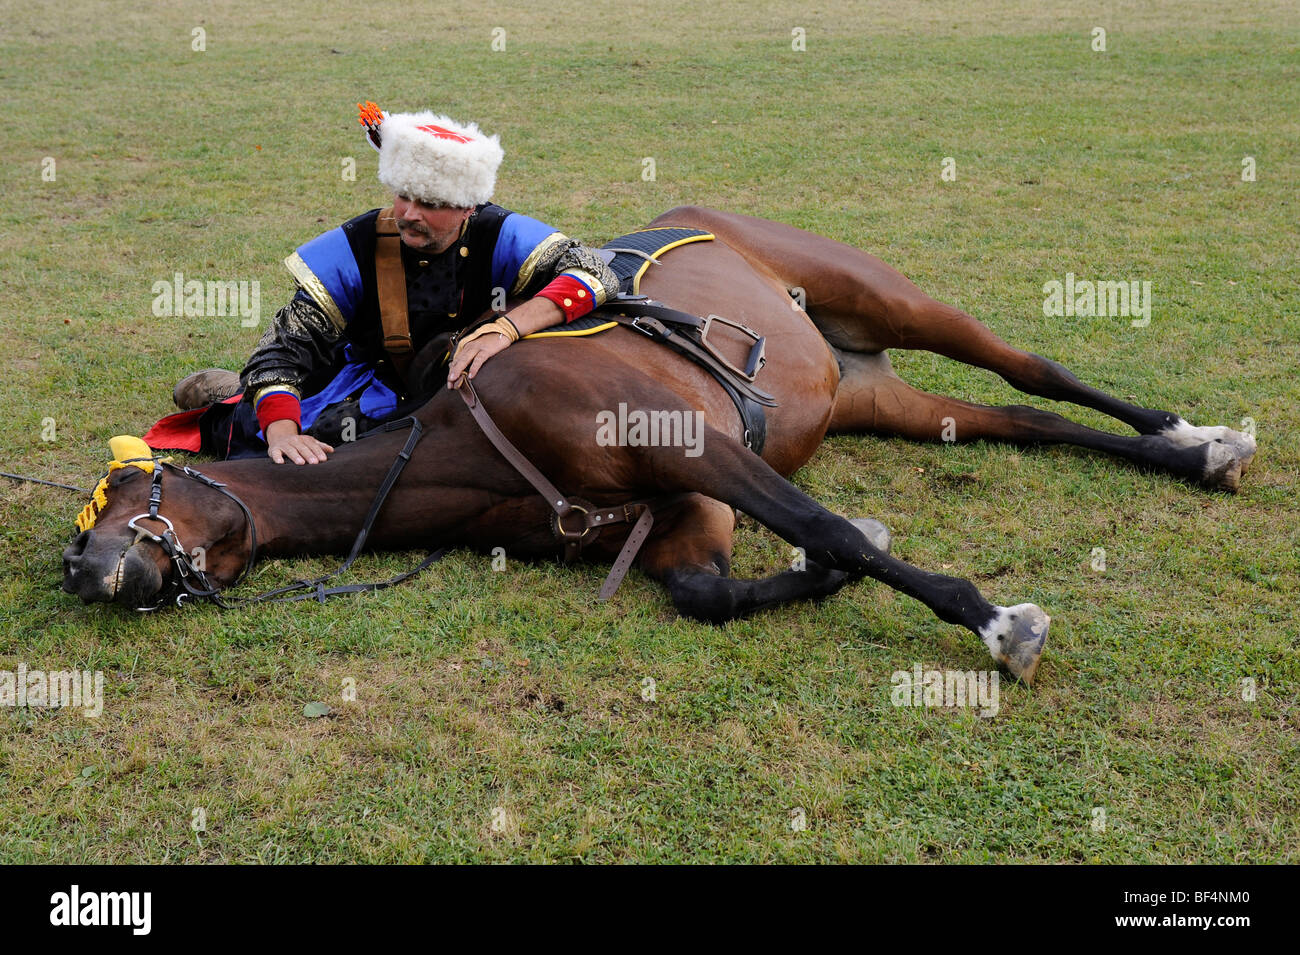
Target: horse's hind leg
[(872, 398), (923, 323), (860, 304)]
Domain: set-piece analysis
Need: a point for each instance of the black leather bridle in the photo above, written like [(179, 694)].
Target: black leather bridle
[(190, 582), (186, 571)]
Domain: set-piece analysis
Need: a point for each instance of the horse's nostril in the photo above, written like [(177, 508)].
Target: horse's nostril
[(76, 546)]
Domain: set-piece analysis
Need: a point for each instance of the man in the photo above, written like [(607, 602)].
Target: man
[(367, 303)]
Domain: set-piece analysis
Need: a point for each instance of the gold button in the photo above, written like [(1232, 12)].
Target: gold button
[(464, 251), (568, 302), (582, 293), (424, 262), (451, 314)]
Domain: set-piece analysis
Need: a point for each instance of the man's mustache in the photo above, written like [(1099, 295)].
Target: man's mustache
[(412, 226)]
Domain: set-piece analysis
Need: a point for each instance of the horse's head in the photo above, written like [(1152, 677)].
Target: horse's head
[(117, 556)]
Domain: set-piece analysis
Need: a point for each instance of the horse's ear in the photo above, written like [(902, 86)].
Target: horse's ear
[(124, 447)]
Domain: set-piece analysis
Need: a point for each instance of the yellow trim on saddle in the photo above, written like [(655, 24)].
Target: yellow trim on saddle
[(128, 452), (636, 279), (573, 334)]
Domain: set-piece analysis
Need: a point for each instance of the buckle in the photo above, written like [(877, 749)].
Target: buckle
[(200, 477), (643, 329)]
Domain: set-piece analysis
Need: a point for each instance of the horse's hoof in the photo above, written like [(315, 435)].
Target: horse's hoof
[(876, 533), (1222, 469), (1015, 637), (1241, 444)]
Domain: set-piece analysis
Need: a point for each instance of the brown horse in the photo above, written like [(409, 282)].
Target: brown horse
[(829, 372)]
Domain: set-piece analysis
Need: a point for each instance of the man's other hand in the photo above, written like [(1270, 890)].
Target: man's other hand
[(284, 441)]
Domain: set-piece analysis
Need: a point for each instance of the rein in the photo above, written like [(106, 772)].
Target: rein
[(191, 582), (32, 480), (184, 588)]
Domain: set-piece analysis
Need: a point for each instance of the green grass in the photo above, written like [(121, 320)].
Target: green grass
[(478, 690)]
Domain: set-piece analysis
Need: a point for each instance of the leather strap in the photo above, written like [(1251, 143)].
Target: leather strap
[(593, 518), (557, 501), (623, 563), (390, 279), (644, 317)]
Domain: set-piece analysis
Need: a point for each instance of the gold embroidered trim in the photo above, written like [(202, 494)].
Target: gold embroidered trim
[(261, 392), (314, 287), (582, 275), (545, 247)]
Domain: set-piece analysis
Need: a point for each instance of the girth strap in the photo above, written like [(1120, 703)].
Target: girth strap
[(592, 518), (655, 320), (390, 279)]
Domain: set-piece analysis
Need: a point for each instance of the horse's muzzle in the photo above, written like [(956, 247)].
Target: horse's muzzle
[(100, 568)]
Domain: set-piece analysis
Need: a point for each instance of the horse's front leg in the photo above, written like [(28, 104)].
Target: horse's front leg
[(691, 555)]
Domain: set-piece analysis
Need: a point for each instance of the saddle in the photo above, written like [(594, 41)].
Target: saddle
[(629, 256)]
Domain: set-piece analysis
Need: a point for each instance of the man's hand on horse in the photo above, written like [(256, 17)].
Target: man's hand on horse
[(284, 441), (496, 336), (471, 353)]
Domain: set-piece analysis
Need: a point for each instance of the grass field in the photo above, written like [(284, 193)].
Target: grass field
[(500, 716)]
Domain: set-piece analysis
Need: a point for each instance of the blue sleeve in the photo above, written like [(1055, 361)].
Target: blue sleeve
[(519, 238), (328, 271)]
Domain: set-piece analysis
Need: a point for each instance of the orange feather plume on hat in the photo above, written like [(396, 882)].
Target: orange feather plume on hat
[(371, 117)]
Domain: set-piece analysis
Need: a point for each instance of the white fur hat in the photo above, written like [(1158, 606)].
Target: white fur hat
[(437, 160)]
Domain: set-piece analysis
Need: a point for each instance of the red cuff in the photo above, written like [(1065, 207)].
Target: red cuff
[(573, 297), (277, 406)]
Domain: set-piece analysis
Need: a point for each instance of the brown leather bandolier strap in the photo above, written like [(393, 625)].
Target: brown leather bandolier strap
[(592, 518), (390, 279)]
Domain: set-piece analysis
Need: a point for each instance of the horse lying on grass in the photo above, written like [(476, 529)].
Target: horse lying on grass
[(829, 373)]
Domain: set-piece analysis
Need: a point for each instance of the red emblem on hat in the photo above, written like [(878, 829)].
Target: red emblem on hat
[(443, 132)]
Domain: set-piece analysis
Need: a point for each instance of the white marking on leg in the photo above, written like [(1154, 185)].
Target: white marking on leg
[(995, 628), (1015, 636), (1189, 436)]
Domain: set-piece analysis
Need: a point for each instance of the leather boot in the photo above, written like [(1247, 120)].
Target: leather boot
[(204, 388)]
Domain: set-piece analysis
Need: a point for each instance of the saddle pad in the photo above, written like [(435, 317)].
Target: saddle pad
[(629, 267), (588, 324)]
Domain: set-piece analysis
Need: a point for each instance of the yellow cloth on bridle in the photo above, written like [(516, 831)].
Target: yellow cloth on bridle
[(128, 452)]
